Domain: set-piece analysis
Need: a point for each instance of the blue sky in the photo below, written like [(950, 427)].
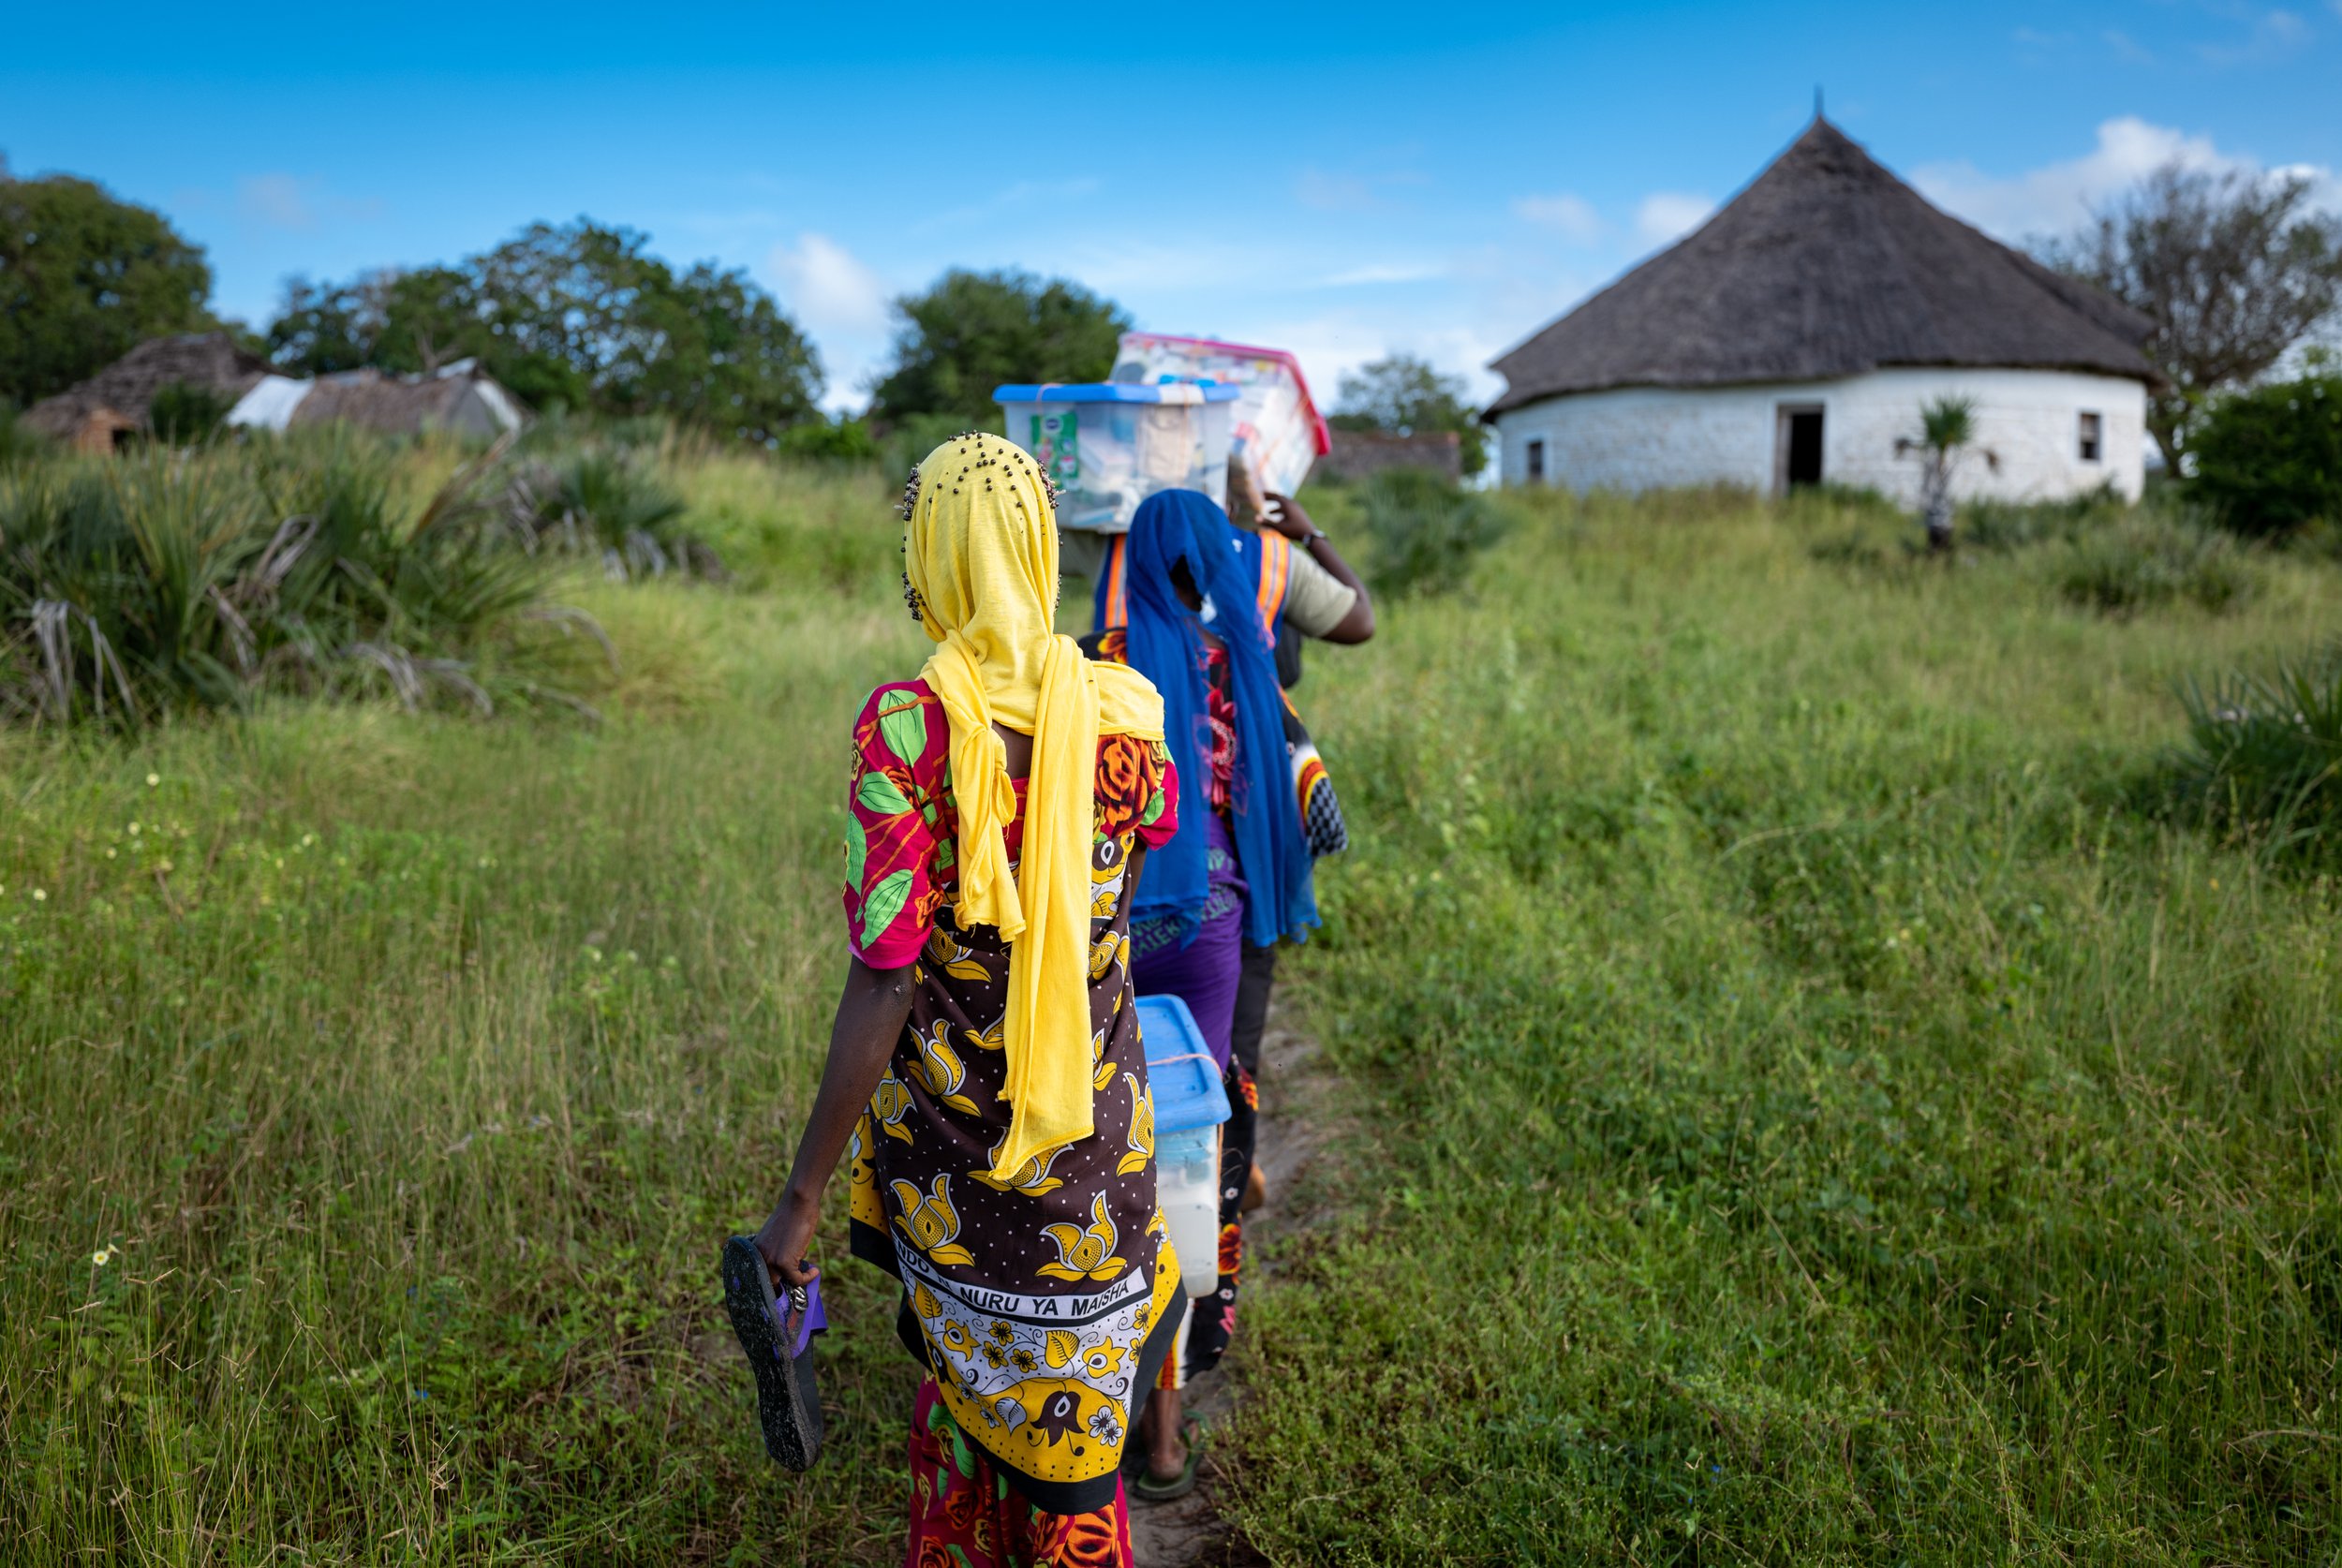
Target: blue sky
[(1340, 181)]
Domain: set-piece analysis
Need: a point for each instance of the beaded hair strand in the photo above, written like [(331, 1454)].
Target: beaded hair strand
[(910, 504)]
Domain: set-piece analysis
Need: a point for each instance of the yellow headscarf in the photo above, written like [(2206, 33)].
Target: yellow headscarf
[(982, 551)]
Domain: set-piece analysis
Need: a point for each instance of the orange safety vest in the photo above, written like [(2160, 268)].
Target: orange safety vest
[(1276, 573)]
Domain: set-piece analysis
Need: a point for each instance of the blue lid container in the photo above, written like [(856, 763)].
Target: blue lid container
[(1187, 1088), (1117, 391), (1109, 445)]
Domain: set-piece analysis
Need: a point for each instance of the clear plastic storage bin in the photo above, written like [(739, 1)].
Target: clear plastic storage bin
[(1187, 1185), (1109, 447), (1190, 1102), (1277, 432)]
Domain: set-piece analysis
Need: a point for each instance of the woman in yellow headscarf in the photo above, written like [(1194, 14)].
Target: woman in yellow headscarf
[(986, 1080)]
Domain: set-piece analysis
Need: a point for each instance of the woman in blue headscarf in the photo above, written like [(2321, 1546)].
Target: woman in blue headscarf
[(1236, 872)]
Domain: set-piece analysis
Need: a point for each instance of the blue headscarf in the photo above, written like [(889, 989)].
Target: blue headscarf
[(1166, 644)]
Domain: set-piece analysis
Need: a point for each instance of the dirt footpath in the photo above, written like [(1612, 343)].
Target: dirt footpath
[(1191, 1532)]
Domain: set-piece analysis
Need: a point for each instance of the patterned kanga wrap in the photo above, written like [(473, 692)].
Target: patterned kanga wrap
[(965, 1514), (1041, 1305)]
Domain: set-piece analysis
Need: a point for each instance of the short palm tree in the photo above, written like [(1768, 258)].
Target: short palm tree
[(1947, 433)]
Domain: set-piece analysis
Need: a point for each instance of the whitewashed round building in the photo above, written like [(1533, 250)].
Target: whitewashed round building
[(1794, 336)]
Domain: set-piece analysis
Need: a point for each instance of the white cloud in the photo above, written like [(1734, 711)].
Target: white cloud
[(1118, 264), (1332, 345), (281, 201), (1665, 216), (1023, 195), (2129, 51), (827, 288), (276, 200), (842, 304), (1571, 216), (1388, 272), (2268, 36), (2060, 197), (1321, 192)]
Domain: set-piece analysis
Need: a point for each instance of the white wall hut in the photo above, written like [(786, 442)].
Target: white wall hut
[(1795, 335), (460, 398)]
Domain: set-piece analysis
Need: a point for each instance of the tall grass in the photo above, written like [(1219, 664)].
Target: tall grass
[(1809, 1121), (403, 1073), (1791, 1111)]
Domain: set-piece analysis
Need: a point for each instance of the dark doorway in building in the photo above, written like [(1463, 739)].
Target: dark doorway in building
[(1800, 446), (1536, 462)]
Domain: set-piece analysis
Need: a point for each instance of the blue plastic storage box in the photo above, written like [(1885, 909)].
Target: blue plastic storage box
[(1187, 1091), (1190, 1105), (1110, 445)]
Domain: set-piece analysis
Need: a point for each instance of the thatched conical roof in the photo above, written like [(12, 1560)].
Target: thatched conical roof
[(1825, 266), (208, 360)]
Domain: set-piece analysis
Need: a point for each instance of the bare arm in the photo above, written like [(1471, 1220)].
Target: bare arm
[(1285, 515), (870, 1015)]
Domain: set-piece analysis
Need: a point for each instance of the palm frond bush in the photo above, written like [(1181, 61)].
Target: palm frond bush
[(2263, 756), (607, 503), (140, 585)]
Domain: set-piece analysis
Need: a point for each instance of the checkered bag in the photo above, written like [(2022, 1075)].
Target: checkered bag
[(1321, 811)]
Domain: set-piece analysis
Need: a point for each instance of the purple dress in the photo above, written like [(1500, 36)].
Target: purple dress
[(1203, 975)]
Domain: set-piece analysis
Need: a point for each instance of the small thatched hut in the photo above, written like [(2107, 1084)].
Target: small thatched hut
[(460, 398), (98, 413), (1794, 336)]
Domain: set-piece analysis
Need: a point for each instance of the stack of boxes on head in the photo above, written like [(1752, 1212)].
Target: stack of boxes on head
[(1181, 413)]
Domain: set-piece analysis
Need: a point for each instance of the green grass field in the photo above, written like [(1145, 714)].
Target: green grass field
[(1793, 1105)]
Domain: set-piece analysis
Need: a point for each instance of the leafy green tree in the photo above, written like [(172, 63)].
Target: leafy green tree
[(2269, 460), (85, 278), (580, 317), (2234, 269), (1403, 396), (730, 359), (408, 322), (973, 331)]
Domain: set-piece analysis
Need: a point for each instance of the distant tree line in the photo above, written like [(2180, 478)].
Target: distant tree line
[(579, 315), (582, 316), (576, 316)]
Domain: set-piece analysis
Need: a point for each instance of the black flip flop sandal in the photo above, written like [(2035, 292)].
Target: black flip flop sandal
[(1145, 1488), (788, 1403)]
